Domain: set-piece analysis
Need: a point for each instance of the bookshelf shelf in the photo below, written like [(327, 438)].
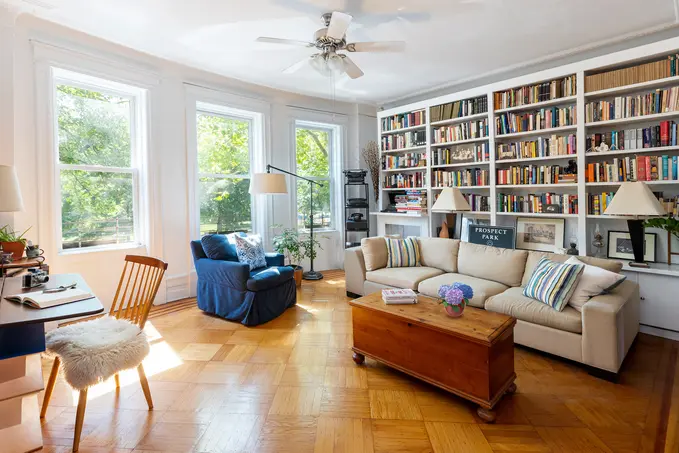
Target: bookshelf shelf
[(534, 159), (403, 150), (396, 170), (548, 131), (461, 142), (460, 119), (634, 119), (536, 186), (615, 183), (405, 188), (539, 105), (668, 81), (461, 164), (478, 213), (538, 214), (609, 217), (463, 187), (404, 129), (657, 149)]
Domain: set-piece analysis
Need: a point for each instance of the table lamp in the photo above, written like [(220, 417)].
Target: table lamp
[(636, 201), (449, 201)]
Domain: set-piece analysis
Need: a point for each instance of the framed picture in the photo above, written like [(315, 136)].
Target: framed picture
[(620, 246), (546, 235), (466, 221), (494, 236)]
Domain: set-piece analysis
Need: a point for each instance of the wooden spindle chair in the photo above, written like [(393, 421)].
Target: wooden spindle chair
[(137, 289)]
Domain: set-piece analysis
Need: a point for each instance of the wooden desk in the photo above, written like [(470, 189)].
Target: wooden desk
[(22, 339)]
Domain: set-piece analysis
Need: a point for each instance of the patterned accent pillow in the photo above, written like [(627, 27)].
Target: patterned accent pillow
[(403, 252), (553, 283), (251, 251)]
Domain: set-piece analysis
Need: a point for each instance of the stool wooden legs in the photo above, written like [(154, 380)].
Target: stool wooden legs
[(79, 417), (50, 387), (145, 385)]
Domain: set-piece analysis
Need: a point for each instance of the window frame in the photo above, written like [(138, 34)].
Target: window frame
[(232, 114), (334, 144), (138, 147)]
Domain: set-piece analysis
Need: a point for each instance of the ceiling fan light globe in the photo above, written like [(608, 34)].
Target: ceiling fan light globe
[(320, 65), (336, 64)]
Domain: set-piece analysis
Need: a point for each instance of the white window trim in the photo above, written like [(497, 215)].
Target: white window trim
[(336, 152), (138, 151), (219, 102)]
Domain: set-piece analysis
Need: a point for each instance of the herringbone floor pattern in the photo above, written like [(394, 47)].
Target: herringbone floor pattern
[(291, 386)]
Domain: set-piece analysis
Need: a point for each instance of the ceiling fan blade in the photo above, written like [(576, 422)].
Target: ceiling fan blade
[(382, 46), (351, 69), (339, 23), (291, 42), (296, 67)]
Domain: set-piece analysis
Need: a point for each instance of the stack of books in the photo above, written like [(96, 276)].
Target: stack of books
[(412, 202), (399, 296)]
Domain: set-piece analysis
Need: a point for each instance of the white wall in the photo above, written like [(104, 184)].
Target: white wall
[(24, 60)]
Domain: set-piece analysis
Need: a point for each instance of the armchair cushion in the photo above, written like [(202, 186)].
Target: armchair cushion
[(218, 247), (250, 251), (269, 277)]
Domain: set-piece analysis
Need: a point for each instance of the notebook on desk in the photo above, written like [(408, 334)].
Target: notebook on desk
[(40, 299)]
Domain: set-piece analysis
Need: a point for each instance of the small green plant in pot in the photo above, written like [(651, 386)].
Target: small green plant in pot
[(13, 243), (289, 244)]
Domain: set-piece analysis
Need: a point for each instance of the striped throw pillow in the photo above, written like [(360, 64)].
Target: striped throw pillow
[(403, 252), (553, 283)]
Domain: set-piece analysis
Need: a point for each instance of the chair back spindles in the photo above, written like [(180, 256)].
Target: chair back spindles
[(137, 289)]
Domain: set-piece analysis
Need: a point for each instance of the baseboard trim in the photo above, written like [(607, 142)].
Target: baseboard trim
[(658, 332)]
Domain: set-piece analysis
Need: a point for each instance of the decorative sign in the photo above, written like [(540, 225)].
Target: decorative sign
[(502, 237)]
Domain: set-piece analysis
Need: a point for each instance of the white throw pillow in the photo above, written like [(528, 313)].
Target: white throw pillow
[(593, 281)]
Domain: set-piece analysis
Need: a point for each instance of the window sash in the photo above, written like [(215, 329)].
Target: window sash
[(225, 116)]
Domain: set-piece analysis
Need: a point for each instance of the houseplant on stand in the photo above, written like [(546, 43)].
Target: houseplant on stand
[(13, 243), (455, 297), (289, 244)]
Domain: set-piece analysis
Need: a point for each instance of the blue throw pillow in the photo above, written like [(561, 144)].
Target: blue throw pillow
[(218, 247), (251, 251)]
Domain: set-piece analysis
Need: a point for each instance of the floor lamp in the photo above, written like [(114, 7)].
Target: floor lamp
[(273, 183)]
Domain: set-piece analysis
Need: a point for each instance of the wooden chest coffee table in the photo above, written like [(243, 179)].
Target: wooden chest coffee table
[(471, 356)]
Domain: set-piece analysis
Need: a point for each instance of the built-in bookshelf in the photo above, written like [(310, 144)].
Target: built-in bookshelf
[(556, 147)]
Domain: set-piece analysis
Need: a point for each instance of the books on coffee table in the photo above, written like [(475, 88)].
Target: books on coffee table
[(399, 296)]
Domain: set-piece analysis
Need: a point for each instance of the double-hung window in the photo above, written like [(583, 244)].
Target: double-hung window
[(99, 135), (224, 145), (315, 145)]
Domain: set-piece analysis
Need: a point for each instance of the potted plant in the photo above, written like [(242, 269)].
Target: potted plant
[(289, 244), (13, 243), (455, 297)]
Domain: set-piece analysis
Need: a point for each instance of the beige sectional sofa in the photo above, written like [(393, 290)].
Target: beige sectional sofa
[(600, 336)]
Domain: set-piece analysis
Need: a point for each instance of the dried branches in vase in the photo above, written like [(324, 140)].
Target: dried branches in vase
[(371, 156)]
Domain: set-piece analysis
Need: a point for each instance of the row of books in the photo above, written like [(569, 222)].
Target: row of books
[(663, 134), (530, 94), (462, 131), (597, 203), (639, 168), (537, 203), (458, 178), (554, 145), (459, 109), (507, 123), (412, 202), (405, 160), (632, 106), (534, 174), (661, 69), (404, 140), (402, 120), (412, 180), (476, 152), (477, 202)]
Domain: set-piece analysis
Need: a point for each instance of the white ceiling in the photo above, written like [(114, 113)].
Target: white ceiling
[(447, 40)]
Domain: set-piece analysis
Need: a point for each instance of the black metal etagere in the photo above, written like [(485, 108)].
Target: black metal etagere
[(353, 207)]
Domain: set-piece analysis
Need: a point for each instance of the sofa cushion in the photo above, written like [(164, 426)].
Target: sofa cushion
[(402, 277), (440, 253), (375, 253), (593, 281), (219, 247), (269, 277), (403, 252), (535, 257), (492, 263), (513, 303), (483, 289)]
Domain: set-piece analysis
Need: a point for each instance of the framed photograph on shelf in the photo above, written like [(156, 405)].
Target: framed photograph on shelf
[(620, 246), (545, 235)]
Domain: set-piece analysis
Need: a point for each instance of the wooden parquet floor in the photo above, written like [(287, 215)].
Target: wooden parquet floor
[(290, 386)]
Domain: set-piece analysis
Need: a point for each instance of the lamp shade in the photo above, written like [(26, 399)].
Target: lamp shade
[(450, 200), (268, 183), (635, 199), (10, 194)]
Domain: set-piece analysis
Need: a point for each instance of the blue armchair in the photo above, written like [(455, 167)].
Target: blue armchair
[(230, 290)]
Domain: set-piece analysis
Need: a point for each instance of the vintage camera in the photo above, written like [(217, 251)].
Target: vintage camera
[(35, 277)]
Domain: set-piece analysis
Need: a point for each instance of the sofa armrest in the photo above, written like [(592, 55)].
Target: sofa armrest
[(274, 259), (610, 322), (354, 270), (227, 273)]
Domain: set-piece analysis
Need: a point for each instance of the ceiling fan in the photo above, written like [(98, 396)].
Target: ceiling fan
[(331, 39)]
